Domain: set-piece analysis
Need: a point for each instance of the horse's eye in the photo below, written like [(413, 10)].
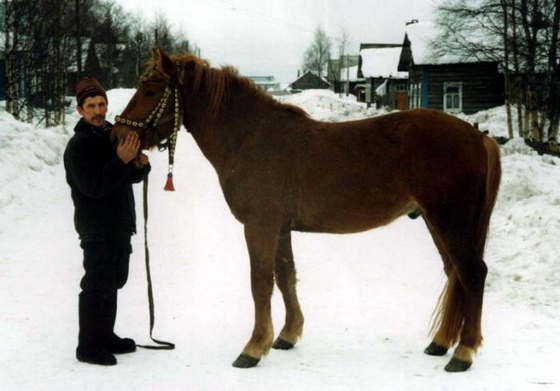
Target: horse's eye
[(149, 93)]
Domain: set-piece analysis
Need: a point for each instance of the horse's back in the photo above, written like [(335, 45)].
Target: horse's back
[(402, 144), (358, 175)]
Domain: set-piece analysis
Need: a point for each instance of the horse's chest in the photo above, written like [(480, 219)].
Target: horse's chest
[(256, 189)]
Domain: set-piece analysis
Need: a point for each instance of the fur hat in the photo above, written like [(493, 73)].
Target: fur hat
[(88, 87)]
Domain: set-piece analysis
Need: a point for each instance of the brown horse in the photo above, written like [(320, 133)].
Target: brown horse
[(281, 171)]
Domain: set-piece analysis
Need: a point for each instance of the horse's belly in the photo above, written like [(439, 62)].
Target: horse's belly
[(350, 217)]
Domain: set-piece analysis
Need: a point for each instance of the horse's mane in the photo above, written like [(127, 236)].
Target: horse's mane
[(220, 84)]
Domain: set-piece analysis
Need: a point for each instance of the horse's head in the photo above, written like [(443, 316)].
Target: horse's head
[(154, 112)]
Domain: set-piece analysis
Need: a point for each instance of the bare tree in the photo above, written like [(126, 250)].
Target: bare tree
[(37, 53), (182, 43), (507, 87), (523, 36), (46, 41), (340, 71), (137, 50), (55, 46), (316, 57), (18, 19), (163, 33), (553, 77)]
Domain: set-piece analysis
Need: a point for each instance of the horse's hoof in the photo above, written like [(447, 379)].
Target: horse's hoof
[(414, 215), (435, 349), (282, 344), (245, 361), (457, 365)]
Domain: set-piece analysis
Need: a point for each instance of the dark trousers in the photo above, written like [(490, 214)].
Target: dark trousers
[(106, 271)]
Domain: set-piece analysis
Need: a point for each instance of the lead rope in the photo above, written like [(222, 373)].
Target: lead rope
[(163, 345)]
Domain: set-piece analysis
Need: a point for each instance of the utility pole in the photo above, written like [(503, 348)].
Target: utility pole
[(347, 74)]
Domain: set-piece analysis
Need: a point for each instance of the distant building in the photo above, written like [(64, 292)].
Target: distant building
[(342, 74), (385, 85), (364, 46), (309, 81), (449, 83), (266, 83)]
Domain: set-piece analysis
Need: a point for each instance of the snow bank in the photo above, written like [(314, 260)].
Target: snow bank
[(365, 334), (327, 106), (28, 156)]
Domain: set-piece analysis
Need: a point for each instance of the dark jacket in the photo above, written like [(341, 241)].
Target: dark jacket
[(101, 185)]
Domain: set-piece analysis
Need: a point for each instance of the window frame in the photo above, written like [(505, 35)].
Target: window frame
[(456, 107)]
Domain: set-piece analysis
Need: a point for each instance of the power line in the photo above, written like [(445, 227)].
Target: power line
[(265, 17)]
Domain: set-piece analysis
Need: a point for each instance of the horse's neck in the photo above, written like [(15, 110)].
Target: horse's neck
[(219, 135), (216, 134)]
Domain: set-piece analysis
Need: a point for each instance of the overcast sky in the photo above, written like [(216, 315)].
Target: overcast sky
[(269, 37)]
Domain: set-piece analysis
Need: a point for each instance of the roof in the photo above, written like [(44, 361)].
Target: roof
[(382, 62), (308, 75), (266, 83), (262, 79)]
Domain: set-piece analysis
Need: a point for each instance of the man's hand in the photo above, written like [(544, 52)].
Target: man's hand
[(141, 161), (128, 147)]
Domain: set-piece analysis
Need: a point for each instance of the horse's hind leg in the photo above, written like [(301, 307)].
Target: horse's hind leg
[(461, 303), (261, 243), (471, 277), (285, 273), (440, 343)]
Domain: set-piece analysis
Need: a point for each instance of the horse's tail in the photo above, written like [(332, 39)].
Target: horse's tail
[(493, 177), (449, 314)]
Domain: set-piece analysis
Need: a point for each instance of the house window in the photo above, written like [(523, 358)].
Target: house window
[(414, 97), (453, 97), (401, 87)]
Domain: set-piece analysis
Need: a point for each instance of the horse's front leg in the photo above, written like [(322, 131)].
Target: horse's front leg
[(285, 275), (261, 243)]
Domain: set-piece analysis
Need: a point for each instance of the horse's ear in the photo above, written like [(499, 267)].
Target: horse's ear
[(164, 61), (156, 53)]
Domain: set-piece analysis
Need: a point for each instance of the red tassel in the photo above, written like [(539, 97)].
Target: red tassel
[(169, 184)]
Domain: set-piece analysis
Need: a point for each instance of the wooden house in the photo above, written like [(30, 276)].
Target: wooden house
[(342, 74), (384, 85), (349, 81), (265, 83), (449, 83), (269, 84), (309, 81)]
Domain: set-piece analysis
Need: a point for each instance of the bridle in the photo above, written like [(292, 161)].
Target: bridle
[(155, 118)]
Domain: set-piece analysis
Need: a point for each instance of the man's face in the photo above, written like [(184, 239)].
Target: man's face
[(94, 110)]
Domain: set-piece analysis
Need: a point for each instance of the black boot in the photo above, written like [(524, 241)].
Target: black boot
[(93, 331), (118, 345), (96, 356), (113, 342)]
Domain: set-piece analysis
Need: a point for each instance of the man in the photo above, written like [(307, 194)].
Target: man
[(100, 172)]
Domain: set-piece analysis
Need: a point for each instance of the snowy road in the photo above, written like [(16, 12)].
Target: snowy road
[(367, 299)]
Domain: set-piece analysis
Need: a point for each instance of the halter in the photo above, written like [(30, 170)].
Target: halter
[(154, 119)]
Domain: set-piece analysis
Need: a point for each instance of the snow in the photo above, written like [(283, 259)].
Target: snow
[(367, 297), (382, 62)]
